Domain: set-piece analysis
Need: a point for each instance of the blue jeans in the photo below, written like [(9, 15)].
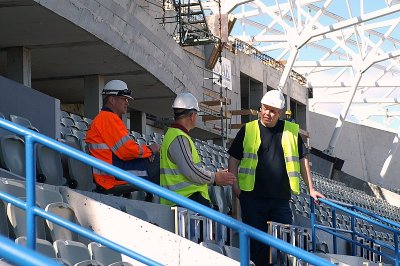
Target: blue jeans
[(257, 211)]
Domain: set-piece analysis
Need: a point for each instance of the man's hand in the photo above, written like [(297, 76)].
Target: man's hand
[(223, 178), (154, 147), (315, 195)]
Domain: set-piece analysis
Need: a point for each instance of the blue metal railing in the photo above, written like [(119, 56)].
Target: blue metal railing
[(351, 209), (31, 137)]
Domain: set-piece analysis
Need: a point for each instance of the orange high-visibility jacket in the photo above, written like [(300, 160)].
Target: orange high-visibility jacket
[(107, 135)]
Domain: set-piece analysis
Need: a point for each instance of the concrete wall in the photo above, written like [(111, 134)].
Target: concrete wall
[(363, 149), (134, 33), (42, 110)]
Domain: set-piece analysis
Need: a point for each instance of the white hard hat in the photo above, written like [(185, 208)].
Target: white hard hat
[(186, 100), (117, 87), (274, 98)]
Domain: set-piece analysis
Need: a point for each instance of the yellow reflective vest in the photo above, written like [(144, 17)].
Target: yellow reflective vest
[(171, 177), (251, 143)]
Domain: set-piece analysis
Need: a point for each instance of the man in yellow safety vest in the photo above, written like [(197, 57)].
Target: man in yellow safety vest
[(180, 165), (268, 156)]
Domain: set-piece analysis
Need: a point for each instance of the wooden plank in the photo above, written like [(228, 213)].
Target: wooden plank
[(207, 108), (215, 95), (206, 118), (236, 126), (215, 102), (244, 112)]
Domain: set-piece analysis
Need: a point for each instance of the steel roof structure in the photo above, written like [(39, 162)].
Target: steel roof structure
[(346, 49)]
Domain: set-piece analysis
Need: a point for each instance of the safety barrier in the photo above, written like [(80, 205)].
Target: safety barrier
[(31, 137), (351, 210)]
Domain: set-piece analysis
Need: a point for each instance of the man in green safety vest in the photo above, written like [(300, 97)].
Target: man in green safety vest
[(268, 156), (180, 165)]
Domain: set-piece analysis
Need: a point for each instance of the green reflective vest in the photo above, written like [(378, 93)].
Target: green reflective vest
[(171, 177), (251, 143)]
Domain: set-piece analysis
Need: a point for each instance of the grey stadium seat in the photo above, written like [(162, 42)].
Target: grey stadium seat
[(82, 174), (17, 218), (46, 196), (68, 122), (49, 166), (79, 171), (65, 131), (87, 120), (62, 210), (22, 121), (233, 253), (15, 189), (72, 252), (81, 125), (64, 114), (13, 154), (75, 117), (212, 246), (42, 246), (104, 254)]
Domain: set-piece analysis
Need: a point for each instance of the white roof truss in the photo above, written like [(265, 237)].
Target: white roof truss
[(353, 44)]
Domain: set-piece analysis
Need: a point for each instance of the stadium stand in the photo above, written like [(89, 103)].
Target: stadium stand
[(66, 186), (212, 155)]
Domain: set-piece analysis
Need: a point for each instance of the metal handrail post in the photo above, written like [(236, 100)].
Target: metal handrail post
[(353, 235), (334, 227), (396, 248), (30, 192), (244, 248), (313, 236)]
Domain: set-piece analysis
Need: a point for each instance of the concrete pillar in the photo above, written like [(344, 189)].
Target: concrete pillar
[(19, 65), (138, 121), (93, 100)]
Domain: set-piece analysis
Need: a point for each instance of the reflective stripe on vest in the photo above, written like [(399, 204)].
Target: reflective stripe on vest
[(99, 146), (171, 177), (251, 143), (291, 152), (248, 164)]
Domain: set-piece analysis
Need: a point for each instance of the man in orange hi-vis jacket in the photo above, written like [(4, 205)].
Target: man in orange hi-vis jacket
[(108, 140)]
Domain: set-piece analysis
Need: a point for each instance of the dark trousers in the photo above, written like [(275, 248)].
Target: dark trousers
[(152, 175), (256, 211)]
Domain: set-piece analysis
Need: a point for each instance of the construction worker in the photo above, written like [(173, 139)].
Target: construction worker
[(108, 140), (271, 157), (180, 165), (289, 117)]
